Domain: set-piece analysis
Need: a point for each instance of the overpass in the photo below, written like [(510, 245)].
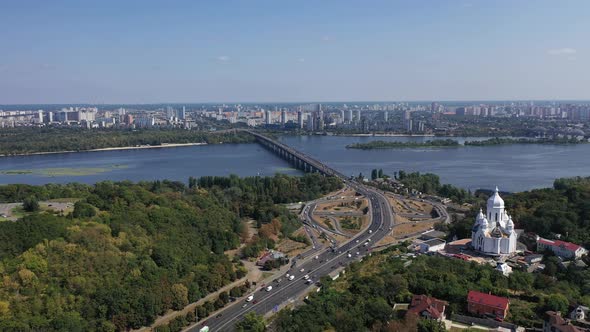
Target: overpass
[(296, 158)]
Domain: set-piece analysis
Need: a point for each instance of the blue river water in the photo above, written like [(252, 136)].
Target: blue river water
[(511, 167)]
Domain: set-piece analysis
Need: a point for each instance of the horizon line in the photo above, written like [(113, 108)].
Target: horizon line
[(312, 102)]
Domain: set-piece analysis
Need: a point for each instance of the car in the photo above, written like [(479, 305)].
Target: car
[(269, 288), (357, 241), (306, 277), (349, 255), (302, 269), (245, 305), (358, 253), (291, 277), (316, 257), (250, 298), (255, 301), (218, 315)]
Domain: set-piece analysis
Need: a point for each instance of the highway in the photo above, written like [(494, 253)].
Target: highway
[(327, 261)]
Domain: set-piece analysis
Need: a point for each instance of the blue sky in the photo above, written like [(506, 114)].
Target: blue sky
[(263, 51)]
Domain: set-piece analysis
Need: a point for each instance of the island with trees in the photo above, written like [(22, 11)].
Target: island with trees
[(379, 144), (24, 140), (508, 140)]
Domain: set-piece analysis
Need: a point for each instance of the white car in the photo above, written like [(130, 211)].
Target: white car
[(302, 269), (349, 255), (250, 298), (317, 257), (306, 277), (269, 288), (291, 277)]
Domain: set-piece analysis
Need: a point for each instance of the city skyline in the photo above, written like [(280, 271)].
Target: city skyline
[(265, 52)]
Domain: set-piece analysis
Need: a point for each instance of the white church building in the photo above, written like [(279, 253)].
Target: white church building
[(493, 233)]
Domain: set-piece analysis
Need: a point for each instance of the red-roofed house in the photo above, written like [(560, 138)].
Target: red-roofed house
[(483, 304), (428, 307), (561, 248), (555, 323)]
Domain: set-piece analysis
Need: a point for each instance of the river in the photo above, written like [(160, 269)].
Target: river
[(510, 167)]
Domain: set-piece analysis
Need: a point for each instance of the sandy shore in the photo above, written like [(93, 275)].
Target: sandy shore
[(164, 145)]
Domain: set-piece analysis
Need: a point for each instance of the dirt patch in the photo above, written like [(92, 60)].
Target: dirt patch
[(421, 207), (411, 228), (387, 240), (292, 248)]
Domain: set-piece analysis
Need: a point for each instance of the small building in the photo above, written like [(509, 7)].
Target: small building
[(532, 259), (269, 255), (504, 268), (553, 322), (580, 313), (560, 248), (483, 304), (432, 245), (428, 307)]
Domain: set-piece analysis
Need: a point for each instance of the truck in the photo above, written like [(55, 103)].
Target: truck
[(250, 298)]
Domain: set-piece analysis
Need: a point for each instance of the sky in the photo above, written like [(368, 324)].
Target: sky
[(145, 51)]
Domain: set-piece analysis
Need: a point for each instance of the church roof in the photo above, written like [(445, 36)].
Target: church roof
[(495, 200)]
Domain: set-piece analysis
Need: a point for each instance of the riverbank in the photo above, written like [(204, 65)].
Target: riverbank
[(164, 145)]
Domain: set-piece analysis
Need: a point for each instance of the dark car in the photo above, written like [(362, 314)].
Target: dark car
[(218, 315)]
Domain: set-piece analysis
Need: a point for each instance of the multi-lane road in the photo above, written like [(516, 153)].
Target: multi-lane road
[(323, 261)]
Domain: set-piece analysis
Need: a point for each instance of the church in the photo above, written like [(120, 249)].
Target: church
[(493, 233)]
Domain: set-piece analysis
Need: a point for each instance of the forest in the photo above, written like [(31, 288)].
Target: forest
[(24, 140), (132, 251), (429, 183), (362, 299)]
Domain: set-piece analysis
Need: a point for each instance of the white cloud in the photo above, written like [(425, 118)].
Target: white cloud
[(563, 51), (223, 58)]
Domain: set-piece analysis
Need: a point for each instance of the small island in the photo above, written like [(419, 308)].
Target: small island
[(396, 145)]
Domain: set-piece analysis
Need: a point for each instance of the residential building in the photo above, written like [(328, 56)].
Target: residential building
[(555, 323), (428, 307), (560, 248), (483, 304)]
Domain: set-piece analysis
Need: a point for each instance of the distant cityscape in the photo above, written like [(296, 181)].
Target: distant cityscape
[(402, 118)]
